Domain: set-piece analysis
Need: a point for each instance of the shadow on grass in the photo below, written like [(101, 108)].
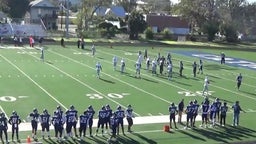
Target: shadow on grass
[(107, 81), (249, 93), (218, 67)]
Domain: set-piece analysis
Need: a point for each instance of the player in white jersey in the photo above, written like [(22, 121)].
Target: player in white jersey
[(169, 69), (137, 66), (98, 69), (206, 83), (140, 58), (115, 62), (122, 65), (154, 65), (147, 63)]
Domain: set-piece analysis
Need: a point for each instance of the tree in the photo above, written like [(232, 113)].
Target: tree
[(15, 8), (136, 24), (158, 6)]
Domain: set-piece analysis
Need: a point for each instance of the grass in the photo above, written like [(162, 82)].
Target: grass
[(67, 77)]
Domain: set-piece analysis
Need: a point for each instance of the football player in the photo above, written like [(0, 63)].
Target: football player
[(180, 109), (137, 66), (58, 122), (147, 63), (213, 109), (120, 114), (83, 124), (98, 69), (114, 62), (154, 65), (223, 113), (129, 117), (181, 68), (101, 121), (205, 111), (34, 118), (14, 121), (194, 66), (222, 56), (108, 116), (196, 108), (122, 65), (45, 123), (239, 81), (169, 69), (93, 50), (218, 106), (173, 111), (42, 54), (73, 119), (206, 84), (90, 111), (190, 111), (113, 126), (200, 67), (3, 127)]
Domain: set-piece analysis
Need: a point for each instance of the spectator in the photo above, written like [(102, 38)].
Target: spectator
[(236, 109)]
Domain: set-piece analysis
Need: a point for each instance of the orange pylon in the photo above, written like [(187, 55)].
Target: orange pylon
[(28, 140)]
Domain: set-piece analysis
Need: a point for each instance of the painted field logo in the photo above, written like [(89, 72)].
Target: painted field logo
[(197, 93), (111, 95), (11, 98)]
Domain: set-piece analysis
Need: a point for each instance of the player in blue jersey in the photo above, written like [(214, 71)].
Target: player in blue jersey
[(239, 79), (58, 122), (90, 111), (218, 106), (173, 111), (120, 114), (222, 58), (34, 118), (113, 126), (3, 127), (205, 111), (98, 69), (181, 68), (101, 121), (190, 111), (196, 108), (122, 65), (236, 113), (108, 116), (200, 67), (213, 109), (14, 121), (194, 67), (180, 110), (45, 121), (83, 124), (168, 58), (72, 112), (223, 114), (129, 117)]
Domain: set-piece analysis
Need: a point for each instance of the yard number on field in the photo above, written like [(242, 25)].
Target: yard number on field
[(10, 98), (111, 95), (197, 93)]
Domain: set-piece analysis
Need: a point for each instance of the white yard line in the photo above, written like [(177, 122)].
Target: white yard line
[(82, 83), (2, 110), (44, 90)]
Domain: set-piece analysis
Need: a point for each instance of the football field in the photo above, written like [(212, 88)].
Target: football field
[(68, 77)]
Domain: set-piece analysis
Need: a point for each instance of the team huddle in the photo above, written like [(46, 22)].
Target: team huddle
[(107, 118), (212, 113)]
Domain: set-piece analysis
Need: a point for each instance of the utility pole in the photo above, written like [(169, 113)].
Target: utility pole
[(67, 18)]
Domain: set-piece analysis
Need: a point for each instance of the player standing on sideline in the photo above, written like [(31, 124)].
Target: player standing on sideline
[(161, 67), (129, 117), (93, 50), (206, 83), (200, 67), (147, 63), (14, 121), (223, 114), (45, 123), (145, 54), (122, 65), (180, 110), (181, 68), (196, 108), (190, 111), (194, 66), (74, 118), (120, 118), (137, 67), (236, 112), (108, 116), (101, 121), (58, 122), (169, 58), (213, 109), (154, 65), (113, 126), (3, 127), (98, 69), (169, 69), (34, 118), (239, 81), (62, 42), (83, 124), (90, 111), (42, 54), (218, 106), (114, 62), (222, 58), (139, 58), (173, 111), (205, 111)]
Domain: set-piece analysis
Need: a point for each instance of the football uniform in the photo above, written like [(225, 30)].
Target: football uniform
[(58, 122), (169, 69), (122, 65), (90, 112), (194, 68), (14, 121), (129, 116), (120, 114), (45, 122), (223, 113), (83, 124), (108, 116), (34, 117), (154, 65), (3, 126), (114, 62), (98, 69)]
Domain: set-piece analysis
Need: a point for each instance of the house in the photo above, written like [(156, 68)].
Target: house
[(114, 11), (175, 24), (3, 17), (43, 12)]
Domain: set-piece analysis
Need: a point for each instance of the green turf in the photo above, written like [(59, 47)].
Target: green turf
[(68, 77)]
